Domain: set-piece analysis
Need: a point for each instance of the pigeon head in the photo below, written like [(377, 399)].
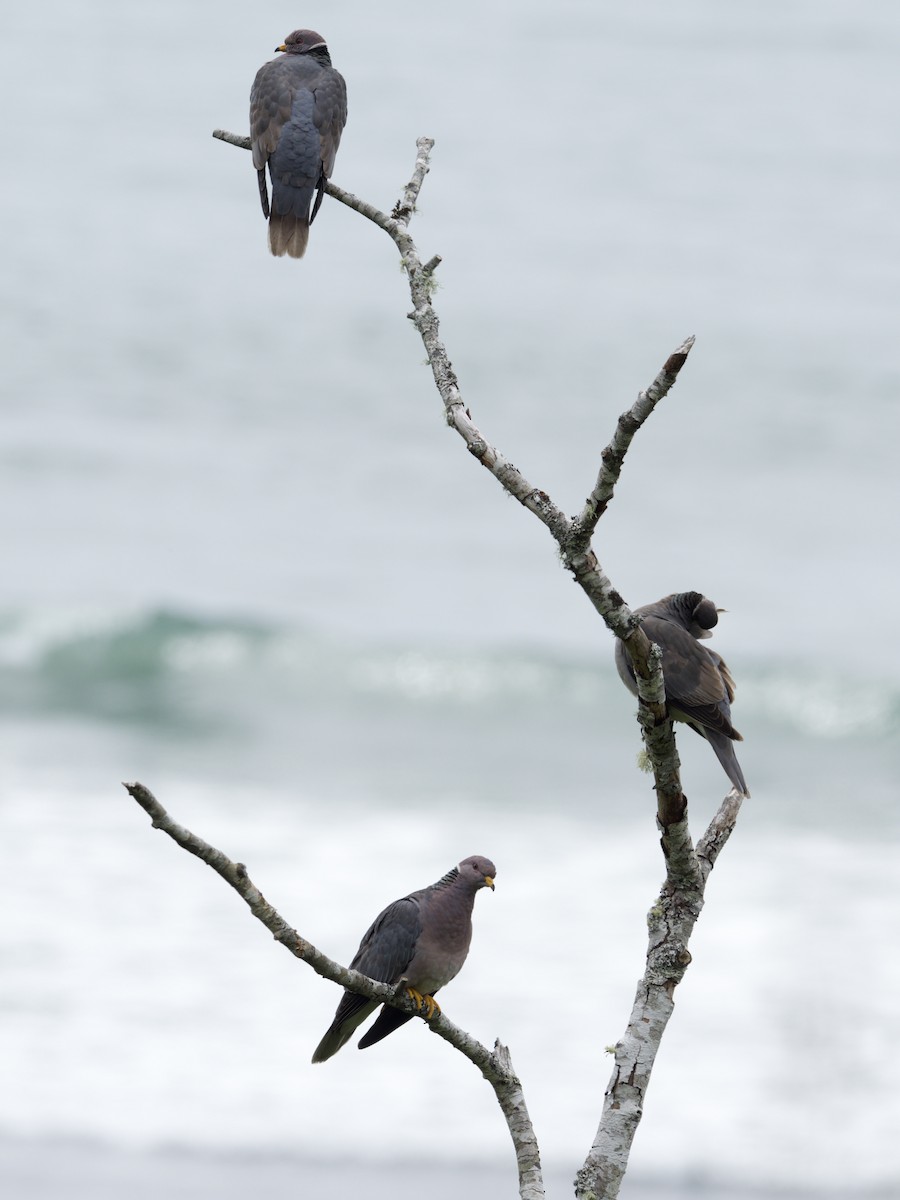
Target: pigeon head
[(694, 611), (477, 872), (301, 41)]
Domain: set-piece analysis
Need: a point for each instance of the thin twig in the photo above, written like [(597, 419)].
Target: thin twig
[(389, 224), (233, 139), (496, 1066), (720, 830), (613, 456)]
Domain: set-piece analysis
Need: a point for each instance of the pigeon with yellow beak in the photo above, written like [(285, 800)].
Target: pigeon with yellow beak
[(417, 944)]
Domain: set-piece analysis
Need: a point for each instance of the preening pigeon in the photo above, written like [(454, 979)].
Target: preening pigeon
[(420, 942), (298, 109), (699, 687)]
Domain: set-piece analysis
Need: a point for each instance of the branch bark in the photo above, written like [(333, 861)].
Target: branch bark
[(613, 456), (673, 917), (670, 924)]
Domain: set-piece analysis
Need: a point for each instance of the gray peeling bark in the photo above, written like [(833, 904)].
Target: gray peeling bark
[(670, 924), (672, 918)]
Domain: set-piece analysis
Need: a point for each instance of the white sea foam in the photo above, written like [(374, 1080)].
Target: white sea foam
[(143, 1006)]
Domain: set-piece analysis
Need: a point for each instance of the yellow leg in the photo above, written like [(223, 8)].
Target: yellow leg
[(428, 1003)]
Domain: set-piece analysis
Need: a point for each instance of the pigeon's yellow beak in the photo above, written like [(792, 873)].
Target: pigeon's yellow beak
[(282, 49), (488, 882)]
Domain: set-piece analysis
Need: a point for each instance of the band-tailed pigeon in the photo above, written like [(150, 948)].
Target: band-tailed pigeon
[(420, 942), (699, 687), (298, 108)]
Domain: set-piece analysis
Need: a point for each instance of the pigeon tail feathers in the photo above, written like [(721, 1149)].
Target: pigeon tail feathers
[(288, 235)]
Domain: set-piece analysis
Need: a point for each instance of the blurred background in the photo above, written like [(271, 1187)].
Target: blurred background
[(245, 563)]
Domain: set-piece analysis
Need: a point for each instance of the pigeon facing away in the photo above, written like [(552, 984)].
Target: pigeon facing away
[(699, 687), (420, 942), (298, 109)]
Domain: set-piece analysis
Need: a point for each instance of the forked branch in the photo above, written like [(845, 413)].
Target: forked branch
[(572, 535), (670, 923)]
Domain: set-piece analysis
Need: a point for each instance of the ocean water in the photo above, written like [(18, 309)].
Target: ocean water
[(245, 563)]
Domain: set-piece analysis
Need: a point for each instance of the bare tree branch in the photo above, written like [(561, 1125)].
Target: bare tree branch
[(670, 924), (571, 535), (233, 139), (392, 225), (720, 830), (672, 919), (613, 456), (496, 1066)]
